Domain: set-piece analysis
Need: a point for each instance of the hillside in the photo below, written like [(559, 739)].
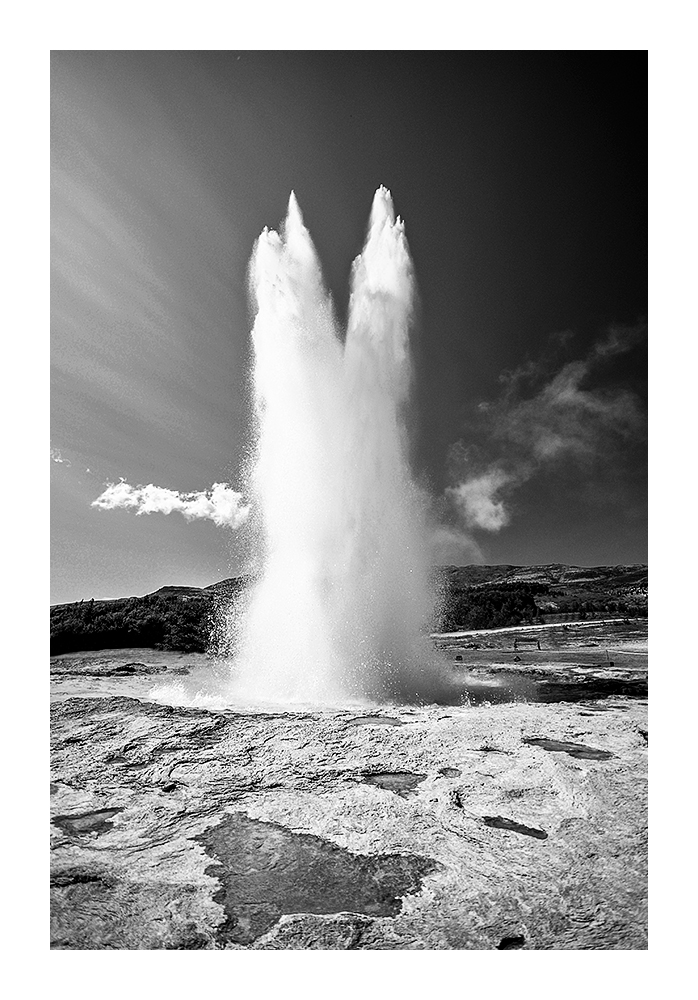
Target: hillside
[(181, 618), (547, 593), (175, 618)]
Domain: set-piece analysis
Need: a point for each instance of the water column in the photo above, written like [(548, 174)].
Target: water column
[(343, 599)]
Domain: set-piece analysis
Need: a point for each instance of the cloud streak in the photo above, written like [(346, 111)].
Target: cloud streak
[(221, 504)]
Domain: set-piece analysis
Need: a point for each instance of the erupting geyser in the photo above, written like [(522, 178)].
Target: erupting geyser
[(343, 601)]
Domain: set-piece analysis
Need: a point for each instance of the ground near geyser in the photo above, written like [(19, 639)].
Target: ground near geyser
[(513, 824)]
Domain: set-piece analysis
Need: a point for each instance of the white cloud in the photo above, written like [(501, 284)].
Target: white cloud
[(221, 504), (478, 502)]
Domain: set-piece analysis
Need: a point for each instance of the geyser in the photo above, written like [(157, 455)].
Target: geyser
[(343, 603)]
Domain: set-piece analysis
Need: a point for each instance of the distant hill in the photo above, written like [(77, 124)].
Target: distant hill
[(182, 618), (552, 573), (177, 618), (484, 596)]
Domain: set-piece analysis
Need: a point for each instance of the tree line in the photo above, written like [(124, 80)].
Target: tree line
[(154, 621), (169, 621), (490, 606)]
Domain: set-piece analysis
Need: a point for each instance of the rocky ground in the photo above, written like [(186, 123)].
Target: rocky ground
[(489, 826)]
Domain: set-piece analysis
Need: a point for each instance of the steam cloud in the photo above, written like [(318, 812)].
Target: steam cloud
[(543, 417), (221, 504), (452, 545)]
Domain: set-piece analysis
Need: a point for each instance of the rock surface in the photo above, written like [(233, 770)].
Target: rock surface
[(484, 827)]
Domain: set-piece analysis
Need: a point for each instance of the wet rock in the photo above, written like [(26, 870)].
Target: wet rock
[(510, 943), (266, 870), (573, 749), (501, 823), (375, 720), (401, 782), (115, 913), (341, 932), (81, 875), (150, 883), (97, 821), (93, 667)]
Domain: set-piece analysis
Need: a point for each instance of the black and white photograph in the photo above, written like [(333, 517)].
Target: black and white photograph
[(349, 493)]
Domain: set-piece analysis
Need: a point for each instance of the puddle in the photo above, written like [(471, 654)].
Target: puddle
[(401, 782), (90, 822), (573, 749), (503, 686), (80, 875), (550, 692), (375, 720), (87, 667), (509, 943), (266, 871), (450, 772), (501, 823), (596, 709)]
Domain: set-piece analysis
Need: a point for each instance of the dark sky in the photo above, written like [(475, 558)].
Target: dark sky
[(521, 177)]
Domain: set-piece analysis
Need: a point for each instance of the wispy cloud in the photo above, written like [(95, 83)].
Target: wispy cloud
[(57, 457), (221, 504), (546, 413), (141, 252)]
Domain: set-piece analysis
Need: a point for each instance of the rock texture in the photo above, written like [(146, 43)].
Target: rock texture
[(507, 826)]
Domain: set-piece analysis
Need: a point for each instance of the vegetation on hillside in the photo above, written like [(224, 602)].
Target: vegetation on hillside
[(476, 594), (472, 597), (155, 621), (491, 606)]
